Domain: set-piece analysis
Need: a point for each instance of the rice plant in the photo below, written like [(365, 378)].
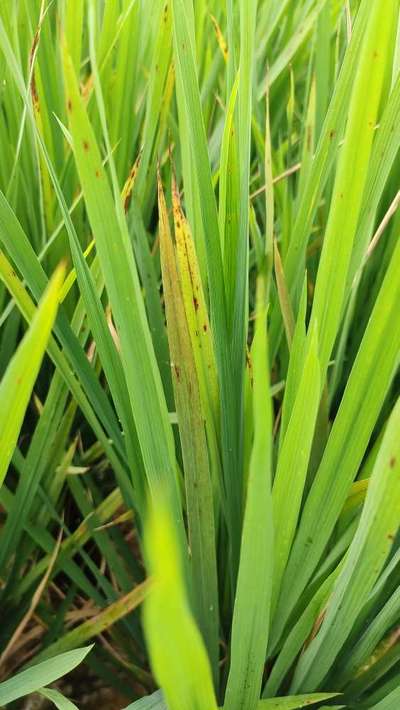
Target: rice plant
[(200, 414)]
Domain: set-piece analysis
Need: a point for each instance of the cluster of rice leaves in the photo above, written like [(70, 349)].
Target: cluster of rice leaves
[(199, 409)]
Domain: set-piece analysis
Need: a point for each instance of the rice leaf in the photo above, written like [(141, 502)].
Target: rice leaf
[(199, 491), (42, 674), (291, 472), (57, 698), (351, 177), (17, 384), (253, 593), (365, 392), (112, 243), (177, 652), (367, 554)]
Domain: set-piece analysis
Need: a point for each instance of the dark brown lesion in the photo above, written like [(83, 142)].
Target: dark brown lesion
[(34, 93), (34, 46)]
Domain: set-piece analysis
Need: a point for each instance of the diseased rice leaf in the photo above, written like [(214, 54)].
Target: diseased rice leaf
[(198, 483)]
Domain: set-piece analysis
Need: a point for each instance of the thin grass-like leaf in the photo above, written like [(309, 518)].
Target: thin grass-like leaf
[(17, 384)]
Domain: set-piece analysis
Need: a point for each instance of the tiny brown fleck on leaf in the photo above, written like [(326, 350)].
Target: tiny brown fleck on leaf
[(392, 462), (85, 146)]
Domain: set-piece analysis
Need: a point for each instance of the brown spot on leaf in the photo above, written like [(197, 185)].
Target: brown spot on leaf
[(195, 303), (309, 138), (127, 202), (34, 93), (85, 146), (34, 46), (392, 462), (69, 105)]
